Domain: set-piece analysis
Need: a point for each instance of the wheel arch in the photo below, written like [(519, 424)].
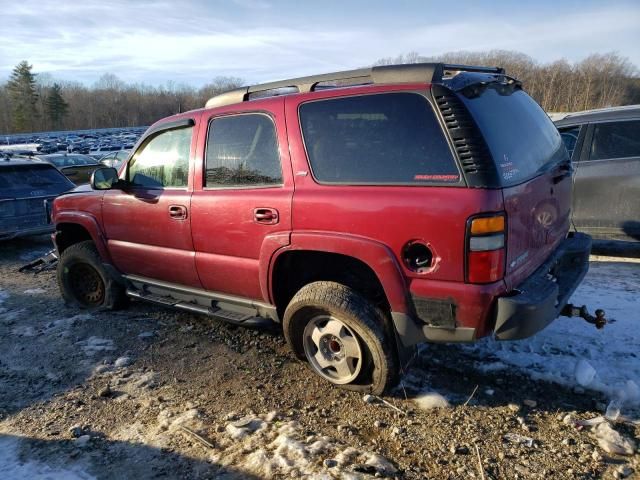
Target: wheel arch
[(365, 259), (74, 227)]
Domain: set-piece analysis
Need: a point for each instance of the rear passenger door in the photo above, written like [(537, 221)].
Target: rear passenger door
[(241, 206), (607, 180)]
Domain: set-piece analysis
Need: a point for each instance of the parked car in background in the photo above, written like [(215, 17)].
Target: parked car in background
[(98, 151), (114, 159), (604, 145), (27, 189), (77, 168)]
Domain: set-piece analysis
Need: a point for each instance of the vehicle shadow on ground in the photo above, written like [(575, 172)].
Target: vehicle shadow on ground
[(450, 371), (24, 458)]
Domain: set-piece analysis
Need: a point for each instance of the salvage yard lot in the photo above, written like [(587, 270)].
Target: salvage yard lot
[(148, 392)]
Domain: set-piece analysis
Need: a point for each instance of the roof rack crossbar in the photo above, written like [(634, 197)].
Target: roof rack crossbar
[(408, 73)]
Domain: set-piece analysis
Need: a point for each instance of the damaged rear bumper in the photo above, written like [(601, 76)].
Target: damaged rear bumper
[(539, 300)]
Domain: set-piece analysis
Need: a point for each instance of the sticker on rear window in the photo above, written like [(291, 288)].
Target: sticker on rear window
[(509, 170), (438, 177)]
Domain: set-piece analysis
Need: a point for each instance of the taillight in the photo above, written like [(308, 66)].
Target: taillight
[(486, 248)]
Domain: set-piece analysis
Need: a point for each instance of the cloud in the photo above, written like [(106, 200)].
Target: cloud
[(154, 42)]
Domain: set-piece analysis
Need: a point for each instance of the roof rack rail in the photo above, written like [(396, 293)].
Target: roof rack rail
[(408, 73)]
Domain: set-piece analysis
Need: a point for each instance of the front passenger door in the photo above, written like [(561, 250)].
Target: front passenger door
[(148, 221)]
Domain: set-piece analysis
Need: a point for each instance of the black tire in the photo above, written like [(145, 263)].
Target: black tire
[(85, 283), (379, 370)]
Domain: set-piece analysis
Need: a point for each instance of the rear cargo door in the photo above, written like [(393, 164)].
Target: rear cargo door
[(537, 221), (534, 170)]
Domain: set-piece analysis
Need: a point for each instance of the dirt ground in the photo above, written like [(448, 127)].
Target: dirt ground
[(153, 393)]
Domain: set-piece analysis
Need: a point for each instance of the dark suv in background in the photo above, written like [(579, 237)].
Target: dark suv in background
[(27, 189), (604, 146)]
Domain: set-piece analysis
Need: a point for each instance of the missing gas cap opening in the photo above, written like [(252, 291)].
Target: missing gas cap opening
[(417, 257)]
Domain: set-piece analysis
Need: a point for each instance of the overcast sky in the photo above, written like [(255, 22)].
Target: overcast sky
[(259, 40)]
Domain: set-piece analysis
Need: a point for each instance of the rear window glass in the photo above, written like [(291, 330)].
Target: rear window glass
[(19, 178), (521, 137), (616, 140), (390, 138)]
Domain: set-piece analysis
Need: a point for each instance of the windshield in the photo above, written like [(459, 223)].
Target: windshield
[(521, 137), (22, 180)]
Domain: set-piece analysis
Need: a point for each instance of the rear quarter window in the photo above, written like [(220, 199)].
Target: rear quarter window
[(521, 137), (391, 138)]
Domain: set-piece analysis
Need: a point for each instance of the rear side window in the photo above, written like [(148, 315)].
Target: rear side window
[(521, 137), (242, 150), (616, 140), (163, 161), (389, 138)]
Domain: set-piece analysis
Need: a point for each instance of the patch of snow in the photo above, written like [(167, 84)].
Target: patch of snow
[(24, 331), (11, 315), (571, 352), (14, 468), (585, 373), (69, 322), (278, 449), (34, 291), (381, 464), (122, 362), (93, 345), (431, 400), (3, 297), (611, 441)]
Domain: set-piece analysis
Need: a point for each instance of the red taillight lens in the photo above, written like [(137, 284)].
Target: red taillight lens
[(486, 235), (485, 267)]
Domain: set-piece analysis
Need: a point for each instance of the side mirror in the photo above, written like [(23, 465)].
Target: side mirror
[(104, 178)]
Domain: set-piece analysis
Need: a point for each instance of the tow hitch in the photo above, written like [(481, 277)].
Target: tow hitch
[(46, 262), (571, 310)]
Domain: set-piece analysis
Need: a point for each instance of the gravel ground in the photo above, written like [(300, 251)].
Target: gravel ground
[(154, 393)]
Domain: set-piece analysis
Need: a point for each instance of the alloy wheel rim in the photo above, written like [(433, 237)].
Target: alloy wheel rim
[(332, 349)]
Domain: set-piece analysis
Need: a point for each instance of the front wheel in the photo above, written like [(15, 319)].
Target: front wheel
[(84, 282), (342, 336)]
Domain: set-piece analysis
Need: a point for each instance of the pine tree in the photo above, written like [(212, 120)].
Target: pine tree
[(55, 106), (23, 97)]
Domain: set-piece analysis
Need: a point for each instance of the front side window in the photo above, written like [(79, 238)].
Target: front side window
[(163, 161), (391, 138), (616, 140), (569, 136), (242, 150)]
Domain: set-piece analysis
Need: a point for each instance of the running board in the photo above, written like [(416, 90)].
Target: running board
[(235, 310)]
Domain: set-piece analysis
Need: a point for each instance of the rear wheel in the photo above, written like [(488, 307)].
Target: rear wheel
[(342, 336), (84, 282)]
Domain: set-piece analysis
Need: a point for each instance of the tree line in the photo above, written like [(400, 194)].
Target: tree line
[(31, 102), (599, 80)]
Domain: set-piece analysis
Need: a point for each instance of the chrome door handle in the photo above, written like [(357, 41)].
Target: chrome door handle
[(178, 212), (266, 216)]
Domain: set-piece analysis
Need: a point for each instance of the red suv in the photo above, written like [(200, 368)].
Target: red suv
[(367, 211)]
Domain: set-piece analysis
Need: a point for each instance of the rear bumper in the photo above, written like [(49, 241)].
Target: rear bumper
[(472, 310), (537, 301)]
